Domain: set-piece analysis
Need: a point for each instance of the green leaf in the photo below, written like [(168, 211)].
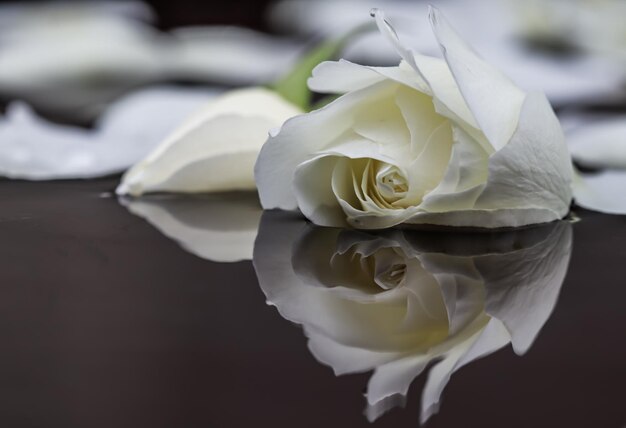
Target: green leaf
[(293, 86)]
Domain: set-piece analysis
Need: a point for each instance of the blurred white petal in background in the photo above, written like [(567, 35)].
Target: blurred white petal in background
[(35, 149), (603, 192), (230, 54), (599, 144), (54, 45), (81, 50)]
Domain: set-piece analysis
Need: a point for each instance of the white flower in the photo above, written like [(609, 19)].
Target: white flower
[(220, 228), (215, 149), (396, 301), (449, 142)]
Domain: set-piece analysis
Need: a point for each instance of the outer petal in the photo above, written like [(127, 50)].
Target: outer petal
[(218, 229), (300, 138), (528, 180), (215, 150), (493, 99), (342, 76), (534, 170)]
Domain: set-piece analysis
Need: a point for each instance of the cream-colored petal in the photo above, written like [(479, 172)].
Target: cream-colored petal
[(534, 170), (302, 137), (215, 150), (344, 76), (464, 179)]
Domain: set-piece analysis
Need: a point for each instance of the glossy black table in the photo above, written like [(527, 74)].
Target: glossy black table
[(106, 322)]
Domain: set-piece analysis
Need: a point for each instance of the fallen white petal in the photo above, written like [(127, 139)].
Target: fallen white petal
[(599, 144), (603, 191), (35, 149), (231, 55), (215, 149)]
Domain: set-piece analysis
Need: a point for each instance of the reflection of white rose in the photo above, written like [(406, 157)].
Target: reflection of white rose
[(395, 302), (215, 149), (220, 228), (442, 142)]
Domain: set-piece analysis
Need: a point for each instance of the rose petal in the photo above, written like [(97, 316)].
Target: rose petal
[(342, 76), (215, 150), (494, 100), (533, 171), (279, 157)]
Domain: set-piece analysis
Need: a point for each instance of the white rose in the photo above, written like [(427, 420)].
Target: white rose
[(449, 142), (396, 301), (215, 149)]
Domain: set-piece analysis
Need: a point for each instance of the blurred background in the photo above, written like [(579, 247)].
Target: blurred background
[(123, 74)]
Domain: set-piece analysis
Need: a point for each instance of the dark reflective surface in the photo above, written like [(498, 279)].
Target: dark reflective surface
[(104, 321)]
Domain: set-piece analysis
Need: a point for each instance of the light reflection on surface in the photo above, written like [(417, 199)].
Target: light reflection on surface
[(400, 301), (219, 228)]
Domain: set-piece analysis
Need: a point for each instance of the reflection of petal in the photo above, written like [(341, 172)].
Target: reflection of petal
[(394, 378), (524, 306), (220, 228), (493, 337), (495, 288), (601, 192), (32, 148), (346, 359)]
